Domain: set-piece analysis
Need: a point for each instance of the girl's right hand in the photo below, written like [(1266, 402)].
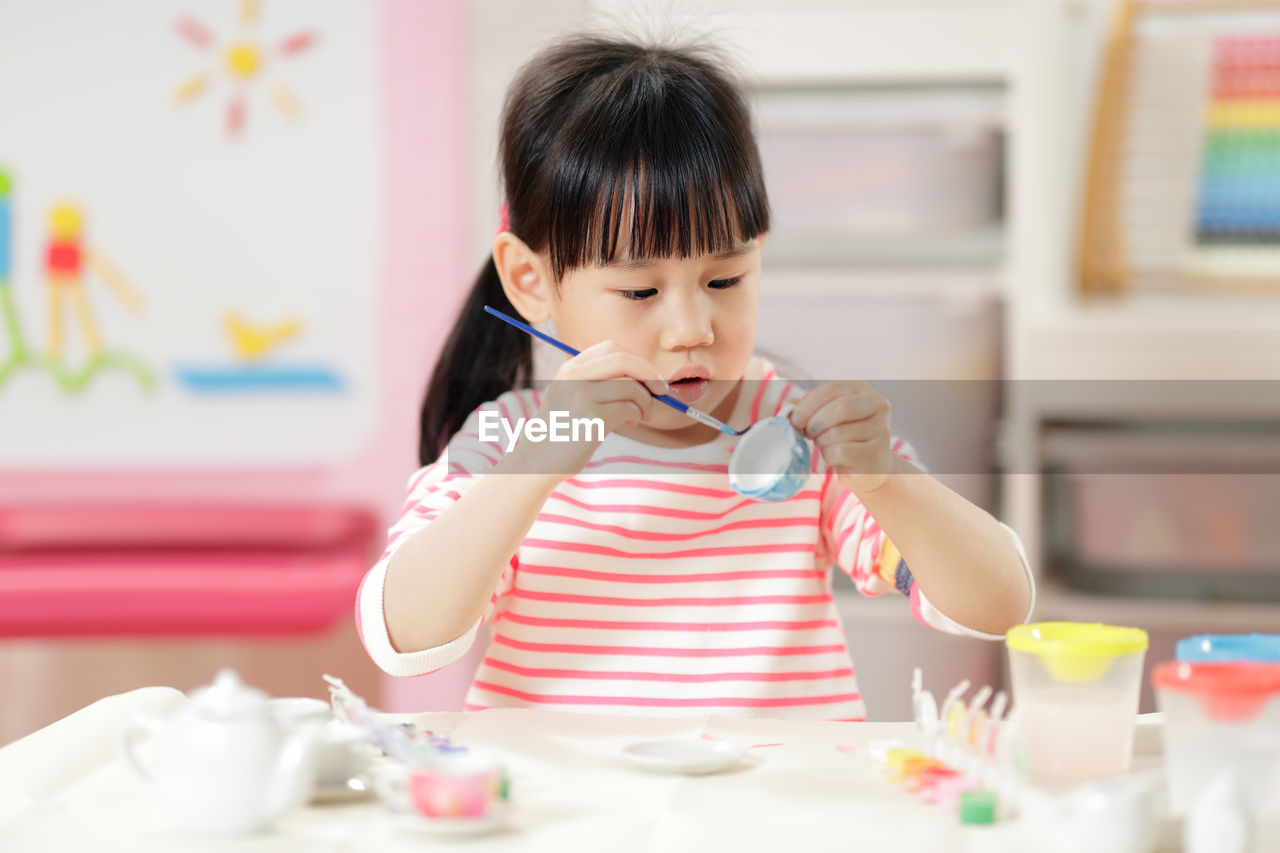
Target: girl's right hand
[(603, 381)]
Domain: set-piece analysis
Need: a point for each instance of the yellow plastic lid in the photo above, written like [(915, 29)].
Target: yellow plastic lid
[(1076, 651)]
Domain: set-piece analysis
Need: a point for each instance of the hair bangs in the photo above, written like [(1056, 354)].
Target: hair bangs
[(662, 180)]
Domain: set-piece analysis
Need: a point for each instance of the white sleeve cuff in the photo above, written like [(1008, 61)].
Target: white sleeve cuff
[(937, 619), (377, 641)]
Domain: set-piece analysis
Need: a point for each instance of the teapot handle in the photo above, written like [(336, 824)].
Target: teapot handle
[(149, 725)]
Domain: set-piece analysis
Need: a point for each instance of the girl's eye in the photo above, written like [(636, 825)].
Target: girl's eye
[(724, 283), (638, 295)]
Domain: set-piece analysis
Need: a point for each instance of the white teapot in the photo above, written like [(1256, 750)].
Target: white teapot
[(223, 765)]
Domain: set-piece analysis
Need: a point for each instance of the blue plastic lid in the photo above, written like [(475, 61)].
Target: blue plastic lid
[(1224, 648)]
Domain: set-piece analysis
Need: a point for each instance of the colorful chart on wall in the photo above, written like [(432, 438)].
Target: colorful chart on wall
[(190, 204), (1184, 173)]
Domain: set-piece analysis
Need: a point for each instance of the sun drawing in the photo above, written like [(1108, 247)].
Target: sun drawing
[(242, 60)]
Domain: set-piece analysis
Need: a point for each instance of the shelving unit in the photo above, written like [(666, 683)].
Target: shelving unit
[(1180, 617), (1054, 334)]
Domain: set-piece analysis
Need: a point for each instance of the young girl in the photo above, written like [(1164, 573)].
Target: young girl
[(625, 575)]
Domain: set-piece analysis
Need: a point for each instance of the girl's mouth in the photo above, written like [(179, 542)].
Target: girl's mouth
[(688, 390)]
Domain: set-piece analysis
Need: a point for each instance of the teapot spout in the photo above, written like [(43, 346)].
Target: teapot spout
[(295, 775)]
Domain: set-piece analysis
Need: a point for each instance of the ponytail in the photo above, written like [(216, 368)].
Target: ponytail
[(481, 360)]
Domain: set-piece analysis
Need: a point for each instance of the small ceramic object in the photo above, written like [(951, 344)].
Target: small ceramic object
[(1118, 815), (224, 765), (344, 754), (771, 461), (343, 750), (454, 786), (685, 755)]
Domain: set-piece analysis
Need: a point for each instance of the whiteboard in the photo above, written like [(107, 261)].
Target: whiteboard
[(275, 220)]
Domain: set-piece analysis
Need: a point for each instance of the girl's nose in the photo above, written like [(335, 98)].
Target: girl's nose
[(688, 325)]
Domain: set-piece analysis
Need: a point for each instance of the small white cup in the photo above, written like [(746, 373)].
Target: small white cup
[(344, 753), (342, 748), (771, 461)]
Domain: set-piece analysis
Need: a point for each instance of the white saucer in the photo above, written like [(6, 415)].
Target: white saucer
[(499, 817), (685, 755)]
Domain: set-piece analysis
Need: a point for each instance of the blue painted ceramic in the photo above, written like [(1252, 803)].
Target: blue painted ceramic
[(771, 461)]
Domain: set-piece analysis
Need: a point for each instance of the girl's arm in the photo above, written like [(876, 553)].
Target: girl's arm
[(962, 559), (440, 580), (960, 556)]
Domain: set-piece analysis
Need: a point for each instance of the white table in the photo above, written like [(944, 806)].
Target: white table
[(806, 786)]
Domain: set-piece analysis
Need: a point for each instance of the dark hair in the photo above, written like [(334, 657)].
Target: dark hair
[(606, 147)]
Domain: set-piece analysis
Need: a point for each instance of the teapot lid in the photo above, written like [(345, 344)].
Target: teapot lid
[(228, 696)]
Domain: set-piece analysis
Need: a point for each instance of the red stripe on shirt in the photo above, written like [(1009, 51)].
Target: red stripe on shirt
[(659, 651), (743, 600), (662, 702), (722, 551), (699, 577), (653, 536), (666, 512), (686, 677), (623, 625)]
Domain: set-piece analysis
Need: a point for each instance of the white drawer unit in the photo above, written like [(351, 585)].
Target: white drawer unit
[(1165, 510), (903, 175)]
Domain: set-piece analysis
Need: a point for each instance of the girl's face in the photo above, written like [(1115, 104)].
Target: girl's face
[(693, 318)]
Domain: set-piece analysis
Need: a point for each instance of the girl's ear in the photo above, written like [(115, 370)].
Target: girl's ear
[(525, 277)]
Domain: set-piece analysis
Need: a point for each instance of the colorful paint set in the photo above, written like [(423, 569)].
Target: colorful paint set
[(966, 759)]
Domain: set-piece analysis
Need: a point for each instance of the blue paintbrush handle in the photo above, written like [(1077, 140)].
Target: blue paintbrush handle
[(680, 406), (506, 318)]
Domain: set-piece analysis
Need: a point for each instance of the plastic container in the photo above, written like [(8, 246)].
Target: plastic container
[(1076, 689), (1230, 648), (1220, 717)]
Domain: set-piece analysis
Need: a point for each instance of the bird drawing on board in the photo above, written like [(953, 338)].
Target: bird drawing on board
[(254, 341)]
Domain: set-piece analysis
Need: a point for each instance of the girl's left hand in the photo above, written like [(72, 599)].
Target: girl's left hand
[(849, 423)]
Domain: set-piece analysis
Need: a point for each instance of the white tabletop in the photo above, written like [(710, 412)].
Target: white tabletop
[(805, 785)]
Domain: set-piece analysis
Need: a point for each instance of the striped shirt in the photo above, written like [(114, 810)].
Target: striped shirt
[(647, 585)]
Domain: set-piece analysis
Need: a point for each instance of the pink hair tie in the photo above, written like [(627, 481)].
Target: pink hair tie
[(504, 219)]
